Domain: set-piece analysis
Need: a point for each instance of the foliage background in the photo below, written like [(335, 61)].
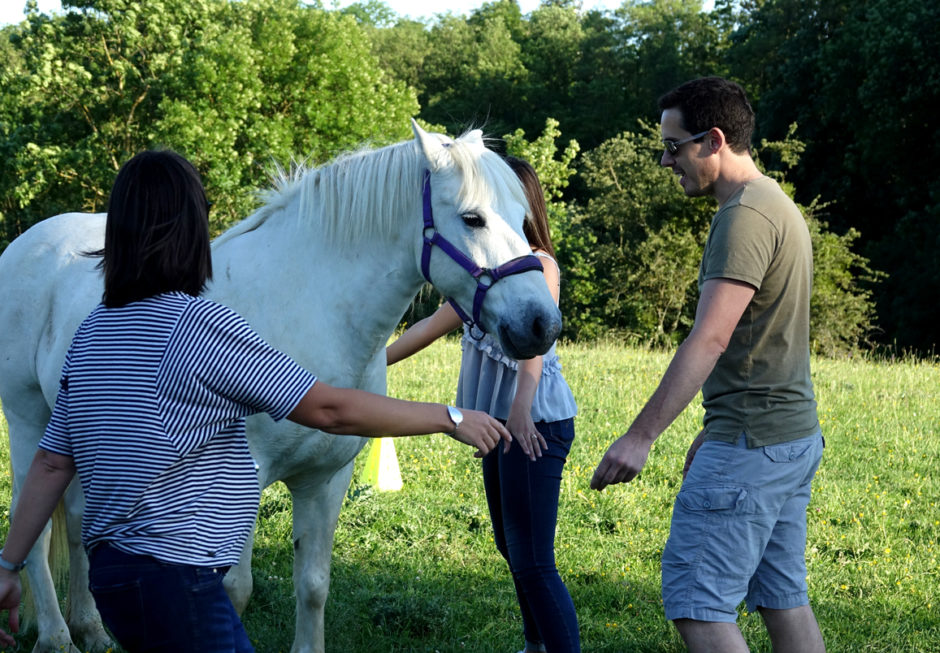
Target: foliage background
[(844, 92)]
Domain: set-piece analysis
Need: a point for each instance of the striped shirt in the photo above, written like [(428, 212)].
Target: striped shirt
[(151, 407)]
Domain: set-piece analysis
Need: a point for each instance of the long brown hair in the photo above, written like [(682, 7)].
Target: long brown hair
[(536, 225)]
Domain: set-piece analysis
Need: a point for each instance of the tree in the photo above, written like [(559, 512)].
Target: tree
[(861, 78), (573, 246), (234, 86), (471, 71), (401, 50), (551, 49), (650, 238)]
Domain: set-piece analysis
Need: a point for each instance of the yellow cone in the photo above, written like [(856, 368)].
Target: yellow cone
[(381, 470)]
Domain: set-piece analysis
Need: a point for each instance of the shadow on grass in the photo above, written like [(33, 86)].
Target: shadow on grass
[(379, 607), (414, 605)]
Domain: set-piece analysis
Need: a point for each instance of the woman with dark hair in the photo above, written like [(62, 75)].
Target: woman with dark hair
[(151, 414), (532, 398), (157, 234)]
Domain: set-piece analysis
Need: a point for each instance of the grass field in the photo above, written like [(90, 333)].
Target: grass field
[(416, 570)]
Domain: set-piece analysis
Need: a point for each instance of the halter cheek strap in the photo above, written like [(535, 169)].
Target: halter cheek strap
[(486, 278)]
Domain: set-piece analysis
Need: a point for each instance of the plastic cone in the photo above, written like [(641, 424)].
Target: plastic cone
[(381, 470)]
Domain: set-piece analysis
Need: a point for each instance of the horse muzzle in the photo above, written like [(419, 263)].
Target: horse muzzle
[(530, 332)]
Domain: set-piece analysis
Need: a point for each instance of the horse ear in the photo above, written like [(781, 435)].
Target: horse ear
[(474, 136), (433, 148)]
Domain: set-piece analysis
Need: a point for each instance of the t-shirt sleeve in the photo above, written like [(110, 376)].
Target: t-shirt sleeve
[(741, 246), (57, 438), (216, 368)]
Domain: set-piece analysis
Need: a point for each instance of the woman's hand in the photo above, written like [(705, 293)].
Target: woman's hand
[(481, 431), (523, 431), (10, 600)]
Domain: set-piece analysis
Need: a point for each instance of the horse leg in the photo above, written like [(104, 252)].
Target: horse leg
[(82, 615), (238, 582), (316, 511)]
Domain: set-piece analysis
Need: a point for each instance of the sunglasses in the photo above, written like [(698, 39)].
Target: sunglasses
[(673, 146)]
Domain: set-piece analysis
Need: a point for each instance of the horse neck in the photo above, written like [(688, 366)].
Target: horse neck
[(332, 306)]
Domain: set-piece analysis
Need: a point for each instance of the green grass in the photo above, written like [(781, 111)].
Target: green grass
[(416, 570)]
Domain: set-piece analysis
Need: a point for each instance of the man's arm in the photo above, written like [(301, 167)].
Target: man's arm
[(719, 310)]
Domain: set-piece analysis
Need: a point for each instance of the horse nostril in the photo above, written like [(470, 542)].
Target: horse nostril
[(538, 328)]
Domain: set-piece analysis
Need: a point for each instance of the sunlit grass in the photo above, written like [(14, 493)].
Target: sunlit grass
[(416, 570)]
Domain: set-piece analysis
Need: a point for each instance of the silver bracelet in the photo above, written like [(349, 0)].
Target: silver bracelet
[(9, 566)]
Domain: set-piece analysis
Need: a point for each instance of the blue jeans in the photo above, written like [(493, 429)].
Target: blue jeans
[(523, 502), (152, 606)]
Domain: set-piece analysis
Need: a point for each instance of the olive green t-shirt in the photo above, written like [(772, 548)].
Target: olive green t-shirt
[(761, 384)]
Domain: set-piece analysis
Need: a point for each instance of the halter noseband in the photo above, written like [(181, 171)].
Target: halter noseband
[(485, 277)]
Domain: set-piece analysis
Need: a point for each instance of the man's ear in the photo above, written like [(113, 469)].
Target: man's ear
[(715, 139)]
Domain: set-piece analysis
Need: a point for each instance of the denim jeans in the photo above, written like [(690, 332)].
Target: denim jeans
[(523, 502), (152, 606)]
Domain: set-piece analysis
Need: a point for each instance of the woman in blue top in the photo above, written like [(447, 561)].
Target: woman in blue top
[(533, 399), (151, 414)]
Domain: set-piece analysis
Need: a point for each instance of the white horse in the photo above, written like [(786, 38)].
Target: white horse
[(324, 271)]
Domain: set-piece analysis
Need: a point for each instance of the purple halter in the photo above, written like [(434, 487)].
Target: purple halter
[(485, 278)]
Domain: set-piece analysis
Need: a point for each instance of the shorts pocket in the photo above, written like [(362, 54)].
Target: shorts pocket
[(788, 452), (712, 498)]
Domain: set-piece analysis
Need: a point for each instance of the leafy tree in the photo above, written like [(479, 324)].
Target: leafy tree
[(401, 50), (471, 69), (551, 49), (235, 86), (573, 245), (650, 239), (861, 78), (554, 174), (842, 310), (371, 12), (658, 44)]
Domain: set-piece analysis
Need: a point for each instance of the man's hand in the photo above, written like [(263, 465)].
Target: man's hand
[(622, 462), (693, 448)]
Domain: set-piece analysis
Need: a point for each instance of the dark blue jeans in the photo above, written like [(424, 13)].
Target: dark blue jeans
[(523, 501), (151, 606)]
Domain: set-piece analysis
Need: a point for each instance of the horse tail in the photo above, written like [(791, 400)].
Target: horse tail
[(58, 565)]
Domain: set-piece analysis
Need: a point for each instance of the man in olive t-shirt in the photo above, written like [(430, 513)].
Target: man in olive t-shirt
[(739, 521), (761, 385)]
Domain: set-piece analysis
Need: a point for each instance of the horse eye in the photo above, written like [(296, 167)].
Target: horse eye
[(473, 220)]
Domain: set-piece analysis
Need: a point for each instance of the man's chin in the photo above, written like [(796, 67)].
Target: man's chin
[(691, 190)]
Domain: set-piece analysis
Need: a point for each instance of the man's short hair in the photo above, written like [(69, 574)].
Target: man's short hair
[(157, 232), (713, 102)]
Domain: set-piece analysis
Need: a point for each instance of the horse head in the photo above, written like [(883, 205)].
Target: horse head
[(473, 249)]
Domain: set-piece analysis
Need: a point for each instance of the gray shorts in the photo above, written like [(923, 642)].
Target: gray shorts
[(739, 530)]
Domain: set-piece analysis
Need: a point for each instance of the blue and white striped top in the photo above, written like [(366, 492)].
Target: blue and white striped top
[(151, 407)]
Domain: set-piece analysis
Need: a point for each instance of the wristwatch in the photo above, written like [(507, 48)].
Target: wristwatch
[(456, 417), (9, 566)]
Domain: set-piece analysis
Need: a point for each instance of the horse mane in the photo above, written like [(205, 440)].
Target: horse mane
[(363, 193)]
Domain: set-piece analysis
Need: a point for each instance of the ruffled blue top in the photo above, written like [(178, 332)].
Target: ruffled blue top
[(488, 382)]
